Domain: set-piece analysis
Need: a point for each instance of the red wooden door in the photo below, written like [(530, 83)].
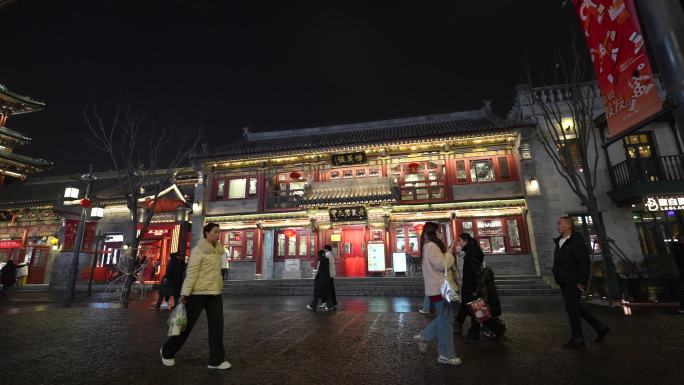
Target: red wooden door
[(37, 263), (353, 249)]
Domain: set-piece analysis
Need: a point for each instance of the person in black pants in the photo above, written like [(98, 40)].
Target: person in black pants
[(202, 290), (172, 281), (571, 268), (472, 266), (322, 284)]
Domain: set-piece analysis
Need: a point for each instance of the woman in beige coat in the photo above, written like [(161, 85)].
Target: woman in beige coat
[(202, 290)]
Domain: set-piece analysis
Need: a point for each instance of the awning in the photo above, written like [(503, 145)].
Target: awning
[(344, 192)]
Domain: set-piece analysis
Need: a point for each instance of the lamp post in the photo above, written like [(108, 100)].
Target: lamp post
[(70, 192)]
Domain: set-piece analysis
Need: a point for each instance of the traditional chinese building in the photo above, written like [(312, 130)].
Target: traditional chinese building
[(13, 165), (366, 189)]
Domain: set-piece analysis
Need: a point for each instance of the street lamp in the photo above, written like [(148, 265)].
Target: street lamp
[(89, 178), (97, 212), (71, 193)]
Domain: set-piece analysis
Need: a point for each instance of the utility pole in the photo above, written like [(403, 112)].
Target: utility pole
[(664, 24)]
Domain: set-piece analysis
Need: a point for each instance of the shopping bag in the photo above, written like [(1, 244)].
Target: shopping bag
[(449, 290), (178, 320), (480, 310)]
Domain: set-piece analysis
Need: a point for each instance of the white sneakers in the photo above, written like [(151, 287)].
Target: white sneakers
[(222, 366), (166, 361), (449, 361), (164, 305), (422, 345)]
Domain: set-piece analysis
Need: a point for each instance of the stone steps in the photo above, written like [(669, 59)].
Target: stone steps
[(379, 286)]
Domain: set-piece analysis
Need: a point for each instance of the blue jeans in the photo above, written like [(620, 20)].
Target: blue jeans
[(427, 305), (442, 328)]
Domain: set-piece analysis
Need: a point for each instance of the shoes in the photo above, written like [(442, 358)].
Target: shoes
[(166, 361), (310, 308), (154, 306), (421, 311), (164, 305), (322, 305), (222, 366), (681, 311), (422, 345), (574, 343), (330, 308), (449, 361), (602, 333)]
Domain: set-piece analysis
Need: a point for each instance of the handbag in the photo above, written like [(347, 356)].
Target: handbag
[(177, 321), (448, 290), (480, 310)]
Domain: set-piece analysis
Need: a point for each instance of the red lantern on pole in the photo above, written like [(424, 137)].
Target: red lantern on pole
[(290, 233), (85, 202), (295, 175), (418, 227)]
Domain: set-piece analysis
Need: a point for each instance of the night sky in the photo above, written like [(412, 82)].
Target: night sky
[(221, 65)]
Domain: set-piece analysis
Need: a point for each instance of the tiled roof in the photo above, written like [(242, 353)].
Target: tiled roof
[(374, 190), (23, 103), (378, 132), (14, 134), (35, 162)]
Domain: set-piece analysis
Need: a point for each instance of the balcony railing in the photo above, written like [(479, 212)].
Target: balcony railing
[(283, 199), (648, 170)]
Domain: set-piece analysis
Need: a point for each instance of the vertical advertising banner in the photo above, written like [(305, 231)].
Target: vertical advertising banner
[(618, 51)]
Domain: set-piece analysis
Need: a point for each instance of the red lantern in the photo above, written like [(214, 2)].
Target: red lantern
[(295, 175), (290, 233), (418, 227), (85, 202), (413, 165)]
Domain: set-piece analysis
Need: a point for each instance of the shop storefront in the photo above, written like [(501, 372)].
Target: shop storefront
[(658, 223), (32, 245)]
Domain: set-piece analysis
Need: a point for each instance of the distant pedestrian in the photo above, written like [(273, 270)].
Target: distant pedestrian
[(473, 258), (322, 284), (678, 254), (22, 274), (171, 283), (9, 276), (331, 264), (224, 265), (571, 268), (202, 290), (436, 258)]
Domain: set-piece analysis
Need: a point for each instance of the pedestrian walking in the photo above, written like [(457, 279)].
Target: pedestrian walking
[(201, 290), (486, 289), (473, 258), (9, 276), (436, 258), (678, 254), (22, 274), (322, 284), (571, 268), (331, 264), (224, 265), (171, 283)]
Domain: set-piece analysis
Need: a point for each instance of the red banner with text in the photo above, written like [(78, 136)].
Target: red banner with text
[(617, 49), (70, 230)]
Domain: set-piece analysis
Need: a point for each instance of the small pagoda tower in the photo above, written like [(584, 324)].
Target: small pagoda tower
[(12, 165)]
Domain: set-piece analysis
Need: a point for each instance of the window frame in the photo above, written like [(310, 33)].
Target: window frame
[(226, 188), (301, 232), (241, 244), (496, 168)]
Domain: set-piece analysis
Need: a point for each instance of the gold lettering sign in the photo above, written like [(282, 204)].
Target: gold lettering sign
[(348, 159), (343, 214)]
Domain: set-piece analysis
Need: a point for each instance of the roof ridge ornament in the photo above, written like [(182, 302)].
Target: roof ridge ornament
[(245, 131), (487, 105)]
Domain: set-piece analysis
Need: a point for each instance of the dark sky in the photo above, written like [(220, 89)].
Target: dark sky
[(222, 65)]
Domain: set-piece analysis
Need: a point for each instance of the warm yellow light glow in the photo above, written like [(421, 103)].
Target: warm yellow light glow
[(568, 123)]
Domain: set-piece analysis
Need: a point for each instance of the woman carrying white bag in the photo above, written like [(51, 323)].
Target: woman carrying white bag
[(437, 263), (202, 290)]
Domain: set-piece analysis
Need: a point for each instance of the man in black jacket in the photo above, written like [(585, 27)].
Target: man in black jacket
[(571, 268)]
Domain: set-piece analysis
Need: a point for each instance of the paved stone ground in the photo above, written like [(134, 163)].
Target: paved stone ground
[(273, 340)]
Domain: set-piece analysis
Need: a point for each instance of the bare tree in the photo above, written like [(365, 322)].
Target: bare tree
[(567, 131), (144, 166)]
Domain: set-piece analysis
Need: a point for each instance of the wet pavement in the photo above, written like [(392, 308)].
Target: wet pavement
[(275, 340)]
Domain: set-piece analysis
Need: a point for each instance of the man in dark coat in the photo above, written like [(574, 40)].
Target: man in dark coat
[(571, 268), (322, 283), (9, 276), (678, 254), (172, 281), (486, 289)]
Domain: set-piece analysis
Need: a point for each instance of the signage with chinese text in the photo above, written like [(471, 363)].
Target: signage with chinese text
[(70, 229), (348, 159), (664, 203), (376, 256), (623, 71), (342, 214)]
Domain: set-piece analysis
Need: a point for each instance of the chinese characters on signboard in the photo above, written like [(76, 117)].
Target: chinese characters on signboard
[(623, 71), (341, 214), (70, 230), (349, 159), (664, 203)]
